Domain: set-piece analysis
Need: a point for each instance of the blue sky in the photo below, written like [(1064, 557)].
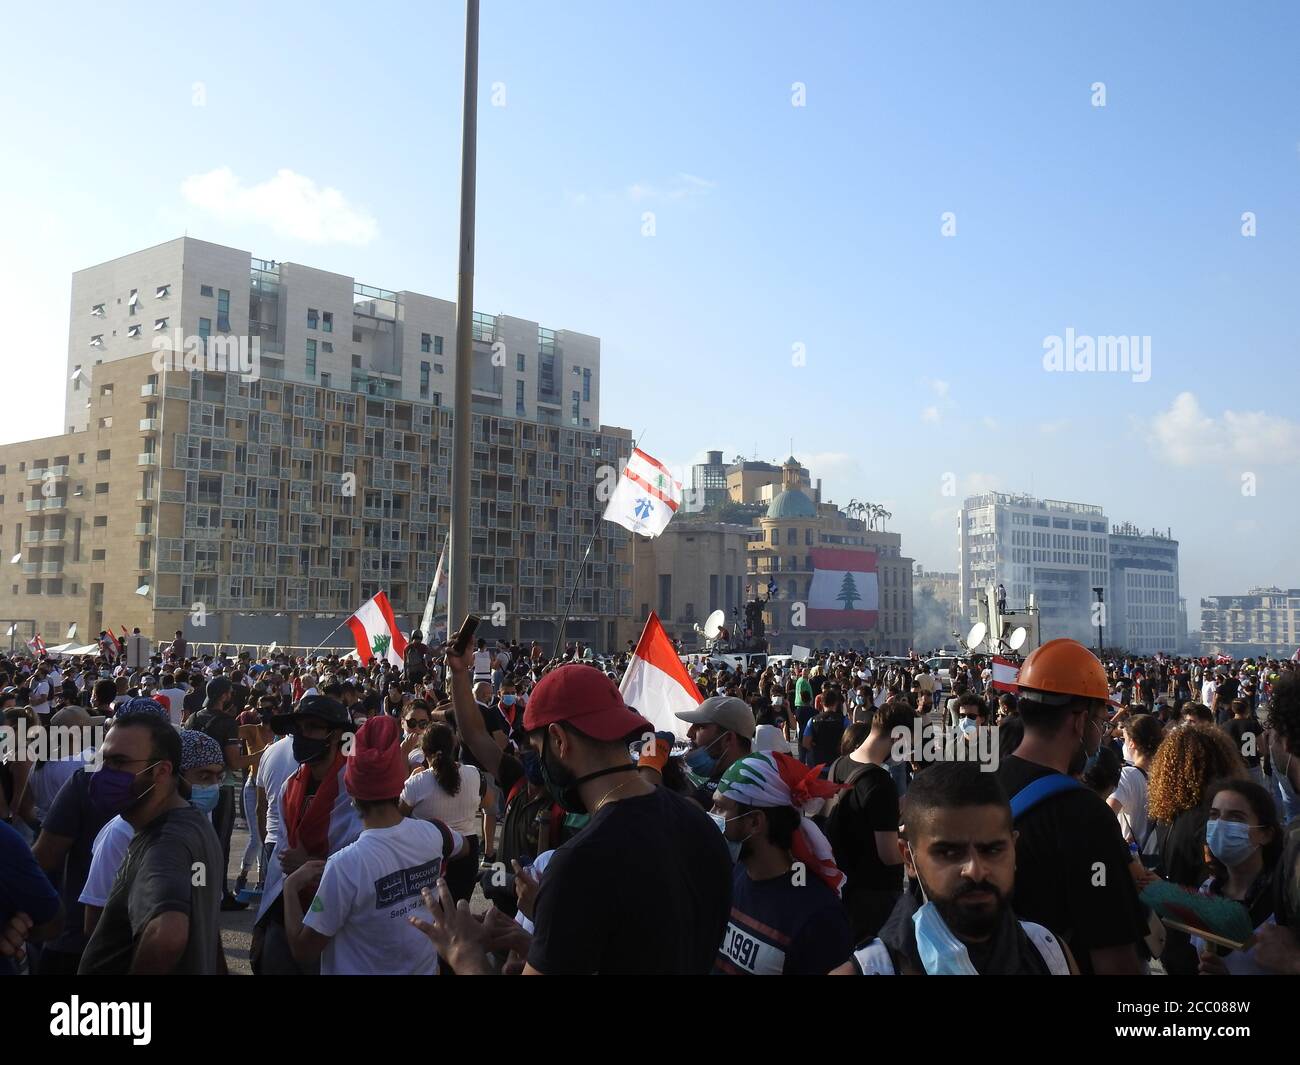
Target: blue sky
[(774, 225)]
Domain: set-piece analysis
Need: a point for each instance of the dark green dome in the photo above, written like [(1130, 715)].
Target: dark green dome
[(791, 503)]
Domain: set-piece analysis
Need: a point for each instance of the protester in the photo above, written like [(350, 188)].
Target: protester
[(721, 732), (450, 794), (960, 853)]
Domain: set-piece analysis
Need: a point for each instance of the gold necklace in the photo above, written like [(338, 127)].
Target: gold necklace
[(617, 787)]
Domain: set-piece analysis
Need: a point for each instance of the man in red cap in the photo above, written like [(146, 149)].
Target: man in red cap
[(356, 923), (644, 888)]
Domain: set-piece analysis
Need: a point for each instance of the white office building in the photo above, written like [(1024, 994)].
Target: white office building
[(1143, 614), (1056, 550)]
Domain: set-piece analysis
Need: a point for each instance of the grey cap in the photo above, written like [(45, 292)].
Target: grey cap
[(725, 711)]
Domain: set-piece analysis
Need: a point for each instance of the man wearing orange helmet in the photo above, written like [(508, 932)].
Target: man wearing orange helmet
[(1071, 862)]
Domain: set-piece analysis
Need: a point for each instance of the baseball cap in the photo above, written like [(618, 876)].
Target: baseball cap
[(321, 707), (75, 716), (725, 711), (586, 699)]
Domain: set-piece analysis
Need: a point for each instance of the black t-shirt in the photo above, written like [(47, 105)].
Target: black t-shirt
[(645, 888), (159, 875), (1072, 867), (75, 817), (1241, 727), (826, 730), (871, 807), (225, 730), (780, 927)]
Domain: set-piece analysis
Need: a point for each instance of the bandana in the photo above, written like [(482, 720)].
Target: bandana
[(198, 748), (773, 779)]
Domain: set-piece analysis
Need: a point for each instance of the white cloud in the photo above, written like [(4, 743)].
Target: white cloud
[(990, 423), (291, 204), (680, 187), (1184, 435), (974, 484), (1050, 428), (930, 414)]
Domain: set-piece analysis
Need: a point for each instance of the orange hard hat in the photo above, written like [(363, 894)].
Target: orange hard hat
[(1065, 667)]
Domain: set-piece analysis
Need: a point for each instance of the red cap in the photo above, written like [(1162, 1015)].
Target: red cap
[(377, 768), (584, 698)]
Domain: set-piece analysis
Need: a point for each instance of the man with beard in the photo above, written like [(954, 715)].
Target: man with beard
[(959, 850)]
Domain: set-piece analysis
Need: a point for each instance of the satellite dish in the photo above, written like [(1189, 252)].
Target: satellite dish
[(976, 635), (17, 558), (1018, 638), (714, 623)]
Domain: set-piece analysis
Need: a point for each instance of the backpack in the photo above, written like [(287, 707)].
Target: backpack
[(830, 819), (1039, 790)]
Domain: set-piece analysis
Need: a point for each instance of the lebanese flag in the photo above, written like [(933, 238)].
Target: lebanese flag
[(36, 644), (1006, 675), (845, 590), (375, 629), (656, 683), (646, 496)]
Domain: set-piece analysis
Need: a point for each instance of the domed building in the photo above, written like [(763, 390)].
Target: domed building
[(834, 582)]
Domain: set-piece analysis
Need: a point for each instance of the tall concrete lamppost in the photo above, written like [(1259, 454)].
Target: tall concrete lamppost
[(458, 578)]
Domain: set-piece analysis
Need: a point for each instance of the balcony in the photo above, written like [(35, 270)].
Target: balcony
[(32, 504), (54, 503), (51, 567), (149, 458), (32, 537), (150, 425), (40, 473), (148, 390), (144, 528), (54, 536)]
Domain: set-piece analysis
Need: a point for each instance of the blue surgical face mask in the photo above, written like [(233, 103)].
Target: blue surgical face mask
[(967, 725), (700, 762), (733, 846), (942, 953), (204, 796), (1229, 841)]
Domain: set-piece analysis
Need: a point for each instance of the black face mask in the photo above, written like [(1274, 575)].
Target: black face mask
[(307, 750), (563, 783)]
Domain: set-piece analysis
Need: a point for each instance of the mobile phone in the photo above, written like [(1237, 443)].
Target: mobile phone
[(466, 633)]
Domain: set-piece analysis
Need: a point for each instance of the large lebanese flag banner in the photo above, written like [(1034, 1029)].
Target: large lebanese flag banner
[(1006, 675), (845, 591), (375, 630), (656, 683)]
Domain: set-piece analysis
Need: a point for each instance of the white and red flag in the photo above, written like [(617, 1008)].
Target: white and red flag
[(375, 630), (656, 683), (1006, 675), (37, 645), (646, 496), (845, 591)]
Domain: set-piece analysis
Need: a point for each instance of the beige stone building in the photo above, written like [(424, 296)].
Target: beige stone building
[(250, 511), (780, 558)]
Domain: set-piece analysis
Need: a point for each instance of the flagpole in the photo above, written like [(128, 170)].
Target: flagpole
[(577, 579), (329, 634)]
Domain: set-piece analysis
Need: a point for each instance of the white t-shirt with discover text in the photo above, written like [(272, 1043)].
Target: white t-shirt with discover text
[(367, 892)]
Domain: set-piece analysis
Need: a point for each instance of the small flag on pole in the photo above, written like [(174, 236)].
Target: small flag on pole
[(376, 633), (646, 496), (36, 644), (426, 622), (656, 683), (1006, 674)]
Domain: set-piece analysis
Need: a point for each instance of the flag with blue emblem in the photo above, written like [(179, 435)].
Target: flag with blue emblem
[(646, 496)]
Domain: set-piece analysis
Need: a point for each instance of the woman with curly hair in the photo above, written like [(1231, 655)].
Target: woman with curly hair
[(1190, 758)]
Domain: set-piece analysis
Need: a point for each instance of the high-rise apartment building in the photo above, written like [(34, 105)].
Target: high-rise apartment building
[(267, 505), (1264, 621)]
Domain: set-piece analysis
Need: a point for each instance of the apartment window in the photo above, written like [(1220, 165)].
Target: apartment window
[(162, 292), (97, 555), (324, 380), (519, 397), (326, 347), (424, 380), (106, 390), (101, 520), (97, 341), (520, 362), (586, 385), (437, 367), (575, 414), (327, 321), (437, 345), (134, 301), (101, 489), (223, 310), (426, 342), (133, 330), (205, 328), (311, 358), (159, 324), (312, 318), (97, 310), (356, 362), (205, 290), (103, 456)]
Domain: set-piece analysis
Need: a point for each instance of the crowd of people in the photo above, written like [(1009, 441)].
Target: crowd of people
[(505, 811)]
